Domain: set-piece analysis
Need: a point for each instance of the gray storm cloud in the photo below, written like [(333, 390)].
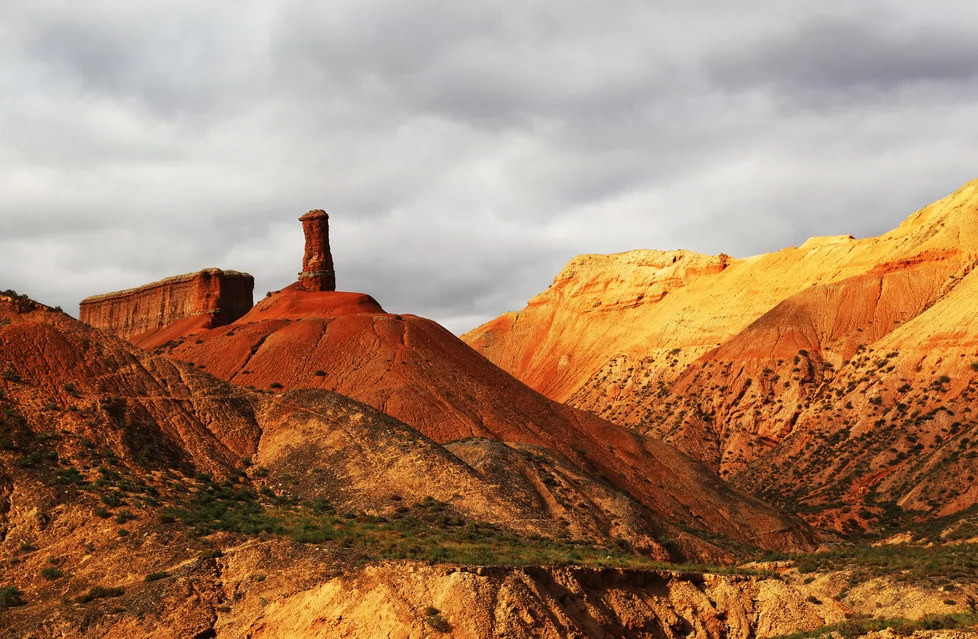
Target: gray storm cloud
[(465, 151)]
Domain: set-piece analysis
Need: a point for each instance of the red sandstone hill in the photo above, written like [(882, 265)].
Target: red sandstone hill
[(99, 439), (415, 370), (94, 398), (842, 372)]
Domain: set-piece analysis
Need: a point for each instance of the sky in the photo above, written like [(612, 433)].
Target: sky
[(465, 151)]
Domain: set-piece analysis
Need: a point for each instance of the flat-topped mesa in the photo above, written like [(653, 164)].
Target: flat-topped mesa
[(317, 261), (217, 297)]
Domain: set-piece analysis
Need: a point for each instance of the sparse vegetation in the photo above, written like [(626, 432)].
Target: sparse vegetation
[(10, 596), (434, 620), (99, 592), (861, 625), (52, 573), (905, 562)]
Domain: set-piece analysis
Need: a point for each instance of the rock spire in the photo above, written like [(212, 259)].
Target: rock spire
[(317, 262)]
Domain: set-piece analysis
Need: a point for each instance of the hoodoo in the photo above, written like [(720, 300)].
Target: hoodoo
[(317, 261)]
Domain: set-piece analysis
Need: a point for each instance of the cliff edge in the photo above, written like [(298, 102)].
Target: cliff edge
[(207, 298)]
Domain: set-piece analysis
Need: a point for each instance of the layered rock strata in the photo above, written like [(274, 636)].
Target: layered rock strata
[(214, 296)]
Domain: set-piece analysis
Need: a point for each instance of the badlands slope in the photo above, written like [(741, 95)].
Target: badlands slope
[(836, 373), (143, 497)]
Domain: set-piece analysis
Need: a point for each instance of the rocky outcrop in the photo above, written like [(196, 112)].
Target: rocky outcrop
[(317, 261), (398, 600), (212, 296)]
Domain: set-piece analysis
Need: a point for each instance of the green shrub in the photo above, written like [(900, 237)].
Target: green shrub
[(99, 592), (10, 596), (70, 475), (52, 573), (434, 620), (156, 576)]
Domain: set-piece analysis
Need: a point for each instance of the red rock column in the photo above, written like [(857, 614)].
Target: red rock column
[(317, 262)]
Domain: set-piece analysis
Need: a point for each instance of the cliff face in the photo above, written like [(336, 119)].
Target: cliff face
[(841, 370), (211, 297), (388, 600)]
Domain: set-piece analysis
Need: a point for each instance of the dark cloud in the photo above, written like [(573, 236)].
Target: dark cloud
[(853, 59), (465, 151)]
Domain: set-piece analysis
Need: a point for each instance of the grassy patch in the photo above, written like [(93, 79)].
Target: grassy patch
[(429, 530), (906, 562), (858, 626)]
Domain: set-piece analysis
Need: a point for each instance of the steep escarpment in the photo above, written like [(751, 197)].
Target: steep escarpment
[(839, 372), (207, 298)]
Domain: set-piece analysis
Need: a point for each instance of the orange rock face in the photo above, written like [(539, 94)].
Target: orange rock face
[(211, 297), (809, 374)]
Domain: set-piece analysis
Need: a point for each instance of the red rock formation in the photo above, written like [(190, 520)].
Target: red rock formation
[(208, 298), (317, 261), (417, 372)]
